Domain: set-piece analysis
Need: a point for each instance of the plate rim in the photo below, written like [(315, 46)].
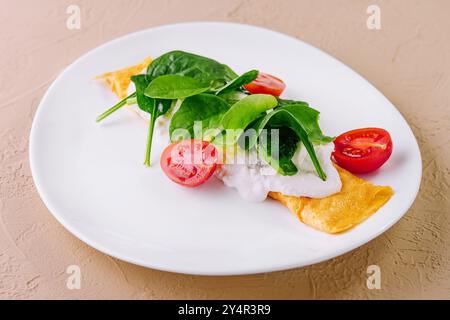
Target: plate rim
[(245, 270)]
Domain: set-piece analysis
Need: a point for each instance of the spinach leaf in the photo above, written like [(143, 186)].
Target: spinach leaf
[(233, 96), (238, 82), (155, 107), (173, 86), (304, 122), (286, 141), (286, 102), (206, 70), (243, 112), (204, 107), (308, 117)]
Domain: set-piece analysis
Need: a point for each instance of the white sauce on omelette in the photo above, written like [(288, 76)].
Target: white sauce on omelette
[(255, 180)]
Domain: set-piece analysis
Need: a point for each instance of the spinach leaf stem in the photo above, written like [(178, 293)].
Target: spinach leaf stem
[(150, 137), (114, 108)]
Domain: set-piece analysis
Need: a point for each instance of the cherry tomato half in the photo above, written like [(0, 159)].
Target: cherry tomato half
[(362, 150), (189, 162), (266, 83)]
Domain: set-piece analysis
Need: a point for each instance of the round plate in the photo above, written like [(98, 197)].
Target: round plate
[(92, 179)]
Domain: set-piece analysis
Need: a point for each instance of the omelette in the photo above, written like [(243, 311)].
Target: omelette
[(357, 200), (120, 80)]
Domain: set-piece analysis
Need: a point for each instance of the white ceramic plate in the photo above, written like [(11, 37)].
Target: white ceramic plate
[(92, 179)]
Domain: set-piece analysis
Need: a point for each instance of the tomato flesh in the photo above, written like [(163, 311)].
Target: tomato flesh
[(362, 150), (266, 83), (189, 162)]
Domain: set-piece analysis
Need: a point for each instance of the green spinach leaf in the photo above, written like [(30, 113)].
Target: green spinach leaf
[(286, 141), (308, 117), (206, 70), (286, 102), (233, 96), (173, 86), (238, 82), (304, 122), (243, 112), (204, 107)]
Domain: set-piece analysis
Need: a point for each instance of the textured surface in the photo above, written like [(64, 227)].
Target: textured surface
[(408, 60)]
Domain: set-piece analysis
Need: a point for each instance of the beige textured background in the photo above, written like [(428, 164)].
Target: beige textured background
[(408, 60)]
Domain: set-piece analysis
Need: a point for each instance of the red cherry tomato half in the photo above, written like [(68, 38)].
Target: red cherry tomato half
[(362, 150), (189, 162), (266, 83)]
